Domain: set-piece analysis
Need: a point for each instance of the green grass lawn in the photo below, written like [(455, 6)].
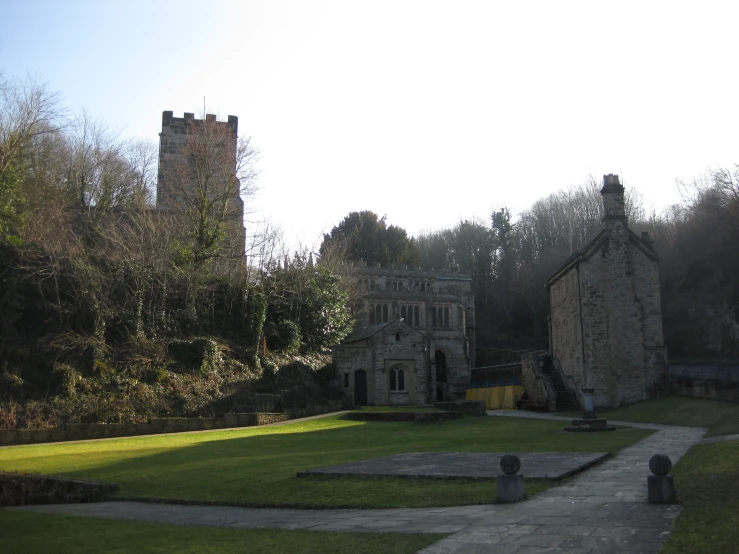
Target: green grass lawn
[(257, 465), (32, 533), (707, 482), (721, 418)]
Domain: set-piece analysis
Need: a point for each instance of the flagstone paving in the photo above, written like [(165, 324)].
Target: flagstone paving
[(465, 465), (601, 510)]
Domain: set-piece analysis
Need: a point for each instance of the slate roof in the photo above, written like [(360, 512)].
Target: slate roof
[(587, 251)]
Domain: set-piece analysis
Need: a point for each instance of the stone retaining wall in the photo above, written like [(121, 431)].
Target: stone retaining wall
[(473, 407), (717, 390), (86, 431), (416, 417), (18, 490)]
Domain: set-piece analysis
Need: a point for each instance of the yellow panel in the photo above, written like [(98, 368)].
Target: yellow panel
[(496, 398)]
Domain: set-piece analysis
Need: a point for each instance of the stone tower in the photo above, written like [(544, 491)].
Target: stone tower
[(199, 157)]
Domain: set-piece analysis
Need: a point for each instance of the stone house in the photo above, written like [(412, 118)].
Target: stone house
[(605, 329), (414, 339)]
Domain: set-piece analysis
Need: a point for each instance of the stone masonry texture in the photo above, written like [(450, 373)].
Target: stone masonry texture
[(606, 313)]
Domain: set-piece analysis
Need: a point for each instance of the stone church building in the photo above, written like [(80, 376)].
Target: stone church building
[(415, 338), (606, 317)]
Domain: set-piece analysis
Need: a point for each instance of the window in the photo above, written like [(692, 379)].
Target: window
[(397, 380), (410, 315), (372, 315), (346, 380), (397, 336), (384, 313), (446, 317), (378, 314)]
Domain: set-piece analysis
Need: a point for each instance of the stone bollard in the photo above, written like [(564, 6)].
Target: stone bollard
[(660, 487), (510, 485)]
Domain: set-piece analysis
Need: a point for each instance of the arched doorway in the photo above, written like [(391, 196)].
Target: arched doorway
[(441, 375), (360, 387)]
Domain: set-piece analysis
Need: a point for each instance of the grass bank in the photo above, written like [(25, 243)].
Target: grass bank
[(721, 418), (257, 466), (43, 533), (707, 482)]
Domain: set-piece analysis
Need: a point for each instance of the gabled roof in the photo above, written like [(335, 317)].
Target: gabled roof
[(370, 331), (587, 251)]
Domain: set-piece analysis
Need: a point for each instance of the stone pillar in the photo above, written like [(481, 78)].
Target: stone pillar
[(510, 485), (660, 486)]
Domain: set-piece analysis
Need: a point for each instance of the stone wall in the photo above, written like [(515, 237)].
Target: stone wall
[(473, 407), (538, 385), (19, 490), (406, 353), (87, 431), (716, 390), (566, 334)]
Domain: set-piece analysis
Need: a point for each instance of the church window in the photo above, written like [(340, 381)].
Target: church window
[(397, 380)]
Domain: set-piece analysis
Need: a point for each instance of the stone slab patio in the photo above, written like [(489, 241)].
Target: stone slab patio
[(465, 465)]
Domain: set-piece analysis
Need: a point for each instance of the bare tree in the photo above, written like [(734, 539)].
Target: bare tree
[(28, 110)]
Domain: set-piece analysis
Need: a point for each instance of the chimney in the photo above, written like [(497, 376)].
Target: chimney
[(613, 198)]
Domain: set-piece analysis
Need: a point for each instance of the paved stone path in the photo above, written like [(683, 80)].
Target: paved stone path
[(720, 438), (465, 465), (602, 510)]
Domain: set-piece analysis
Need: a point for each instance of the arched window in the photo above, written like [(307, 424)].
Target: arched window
[(378, 314), (384, 313), (397, 336), (372, 315), (415, 316), (397, 379), (446, 317)]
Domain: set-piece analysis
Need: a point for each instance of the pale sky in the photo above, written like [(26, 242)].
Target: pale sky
[(427, 112)]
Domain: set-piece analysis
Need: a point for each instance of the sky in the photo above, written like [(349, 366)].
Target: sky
[(425, 112)]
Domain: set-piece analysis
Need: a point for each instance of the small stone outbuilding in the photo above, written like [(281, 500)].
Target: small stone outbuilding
[(605, 327), (385, 364)]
